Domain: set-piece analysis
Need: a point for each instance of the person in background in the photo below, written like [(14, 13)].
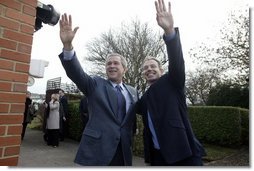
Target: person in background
[(27, 114), (53, 121), (64, 118), (168, 136), (83, 110)]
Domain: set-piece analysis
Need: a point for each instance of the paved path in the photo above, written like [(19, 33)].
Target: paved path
[(35, 153)]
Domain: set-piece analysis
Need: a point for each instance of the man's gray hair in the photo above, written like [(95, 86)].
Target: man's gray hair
[(123, 60)]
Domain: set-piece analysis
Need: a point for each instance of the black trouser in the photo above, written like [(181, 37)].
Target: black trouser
[(158, 160), (118, 159), (23, 130), (53, 137)]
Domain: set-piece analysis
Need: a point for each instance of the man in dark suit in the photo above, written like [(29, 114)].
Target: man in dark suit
[(168, 136), (83, 110), (64, 118), (107, 136), (27, 114)]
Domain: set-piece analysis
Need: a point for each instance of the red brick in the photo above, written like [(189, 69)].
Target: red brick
[(17, 108), (11, 140), (20, 87), (1, 152), (21, 67), (24, 48), (11, 4), (2, 130), (12, 76), (8, 44), (11, 119), (19, 37), (11, 161), (32, 3), (29, 10), (5, 86), (12, 97), (16, 15), (27, 29), (11, 151), (4, 108), (7, 54), (7, 65), (11, 24), (14, 130)]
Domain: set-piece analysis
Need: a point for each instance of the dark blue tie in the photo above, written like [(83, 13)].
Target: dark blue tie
[(121, 109)]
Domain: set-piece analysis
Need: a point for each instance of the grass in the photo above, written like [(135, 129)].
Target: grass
[(215, 152)]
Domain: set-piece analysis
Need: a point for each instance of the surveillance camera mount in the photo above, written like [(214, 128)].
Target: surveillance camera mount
[(45, 14)]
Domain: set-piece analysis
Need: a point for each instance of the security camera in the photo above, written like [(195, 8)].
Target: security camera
[(45, 14)]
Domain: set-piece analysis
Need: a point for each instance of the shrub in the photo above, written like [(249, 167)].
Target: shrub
[(245, 126), (75, 124), (225, 126), (217, 125)]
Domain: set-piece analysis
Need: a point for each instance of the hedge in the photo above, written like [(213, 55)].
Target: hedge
[(225, 126), (75, 128)]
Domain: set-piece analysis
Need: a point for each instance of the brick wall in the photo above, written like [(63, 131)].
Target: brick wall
[(17, 19)]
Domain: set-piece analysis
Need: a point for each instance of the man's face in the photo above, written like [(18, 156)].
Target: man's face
[(115, 69), (28, 95), (61, 93), (151, 71)]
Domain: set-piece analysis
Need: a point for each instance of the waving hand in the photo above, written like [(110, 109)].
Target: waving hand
[(66, 32), (164, 18)]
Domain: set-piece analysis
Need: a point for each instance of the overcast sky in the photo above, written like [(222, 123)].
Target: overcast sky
[(196, 19)]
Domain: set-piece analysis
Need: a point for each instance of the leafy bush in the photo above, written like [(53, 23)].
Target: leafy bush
[(75, 124), (224, 126), (138, 145), (245, 126), (217, 125)]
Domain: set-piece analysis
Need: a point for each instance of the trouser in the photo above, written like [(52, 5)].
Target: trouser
[(118, 159), (23, 130), (158, 160), (53, 137)]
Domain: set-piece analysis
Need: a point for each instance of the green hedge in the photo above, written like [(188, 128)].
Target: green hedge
[(75, 124), (219, 125), (138, 145), (245, 126), (226, 126)]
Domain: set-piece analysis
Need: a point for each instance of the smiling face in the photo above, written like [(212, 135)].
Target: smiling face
[(151, 71), (115, 69)]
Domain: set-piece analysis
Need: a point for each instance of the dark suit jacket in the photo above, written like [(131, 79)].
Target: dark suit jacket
[(83, 110), (166, 102), (64, 103), (103, 131)]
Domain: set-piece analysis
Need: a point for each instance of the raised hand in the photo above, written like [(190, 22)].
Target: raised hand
[(66, 32), (164, 18)]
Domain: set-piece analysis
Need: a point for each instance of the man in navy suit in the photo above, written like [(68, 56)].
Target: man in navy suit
[(106, 139), (168, 136)]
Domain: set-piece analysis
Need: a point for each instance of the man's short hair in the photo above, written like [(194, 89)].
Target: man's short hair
[(61, 90), (123, 60), (152, 58)]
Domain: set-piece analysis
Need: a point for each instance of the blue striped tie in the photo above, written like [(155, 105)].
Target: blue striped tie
[(121, 104)]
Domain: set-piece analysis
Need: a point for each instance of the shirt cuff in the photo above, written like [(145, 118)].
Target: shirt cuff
[(68, 55), (169, 36)]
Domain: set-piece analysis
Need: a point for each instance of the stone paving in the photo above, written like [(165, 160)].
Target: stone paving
[(35, 153)]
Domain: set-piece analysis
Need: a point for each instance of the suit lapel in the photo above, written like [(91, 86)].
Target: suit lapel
[(132, 97), (112, 98)]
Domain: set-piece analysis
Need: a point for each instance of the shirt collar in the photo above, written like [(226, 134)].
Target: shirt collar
[(114, 84)]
